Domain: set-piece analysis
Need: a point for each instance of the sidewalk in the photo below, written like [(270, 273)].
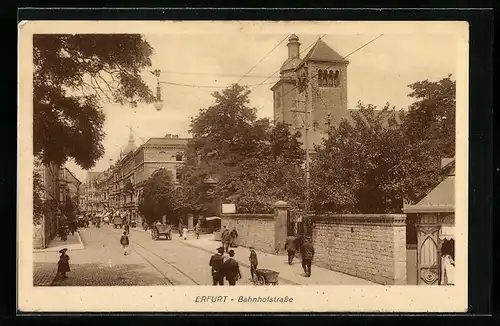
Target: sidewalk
[(293, 273), (74, 242)]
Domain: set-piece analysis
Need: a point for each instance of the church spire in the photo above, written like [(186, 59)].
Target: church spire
[(131, 143)]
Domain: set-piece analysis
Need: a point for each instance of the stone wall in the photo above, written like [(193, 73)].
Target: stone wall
[(368, 246), (254, 230)]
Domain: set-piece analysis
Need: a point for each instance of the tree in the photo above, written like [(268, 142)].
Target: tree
[(159, 197), (254, 164), (38, 197), (72, 75)]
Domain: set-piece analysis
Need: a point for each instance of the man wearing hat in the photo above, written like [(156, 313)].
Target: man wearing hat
[(216, 262), (63, 264), (307, 253), (232, 269)]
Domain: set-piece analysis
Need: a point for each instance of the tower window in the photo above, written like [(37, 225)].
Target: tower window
[(178, 157), (178, 175), (321, 78), (330, 78), (336, 79)]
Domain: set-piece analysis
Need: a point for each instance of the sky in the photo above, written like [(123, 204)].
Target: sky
[(377, 73)]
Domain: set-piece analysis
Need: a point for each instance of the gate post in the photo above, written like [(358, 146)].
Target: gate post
[(280, 225)]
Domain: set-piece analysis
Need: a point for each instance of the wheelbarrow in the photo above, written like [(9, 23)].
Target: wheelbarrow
[(266, 277)]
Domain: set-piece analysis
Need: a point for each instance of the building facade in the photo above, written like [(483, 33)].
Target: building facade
[(119, 188)]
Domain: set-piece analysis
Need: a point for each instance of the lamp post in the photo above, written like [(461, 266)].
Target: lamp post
[(158, 103)]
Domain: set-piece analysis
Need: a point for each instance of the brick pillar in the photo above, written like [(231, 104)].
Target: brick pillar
[(190, 221), (280, 225), (399, 250)]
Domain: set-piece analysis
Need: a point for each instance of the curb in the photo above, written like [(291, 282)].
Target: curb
[(78, 246), (240, 262)]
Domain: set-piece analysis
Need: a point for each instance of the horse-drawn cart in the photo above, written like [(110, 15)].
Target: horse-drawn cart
[(266, 277), (159, 230)]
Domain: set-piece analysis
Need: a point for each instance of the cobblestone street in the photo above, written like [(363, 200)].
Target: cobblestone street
[(149, 262)]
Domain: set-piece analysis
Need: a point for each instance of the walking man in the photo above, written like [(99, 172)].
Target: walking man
[(253, 262), (197, 229), (215, 263), (124, 240), (307, 253), (291, 248), (226, 239), (231, 269)]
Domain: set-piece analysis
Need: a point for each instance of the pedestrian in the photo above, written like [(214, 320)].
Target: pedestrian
[(231, 269), (62, 233), (185, 233), (253, 263), (226, 239), (197, 228), (63, 263), (124, 240), (291, 248), (307, 253), (180, 229), (127, 228), (232, 238), (215, 263)]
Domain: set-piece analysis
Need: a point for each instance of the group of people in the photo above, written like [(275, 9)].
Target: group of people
[(223, 268), (306, 249), (229, 239)]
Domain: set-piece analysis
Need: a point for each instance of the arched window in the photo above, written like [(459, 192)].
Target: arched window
[(336, 79), (330, 78), (320, 78)]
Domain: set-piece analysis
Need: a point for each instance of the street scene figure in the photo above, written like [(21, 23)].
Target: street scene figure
[(307, 253), (197, 230), (184, 233), (291, 248), (226, 239), (63, 264), (254, 262), (124, 241), (233, 236), (231, 269), (216, 264)]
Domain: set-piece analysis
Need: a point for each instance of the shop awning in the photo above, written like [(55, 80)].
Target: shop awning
[(212, 218), (447, 232)]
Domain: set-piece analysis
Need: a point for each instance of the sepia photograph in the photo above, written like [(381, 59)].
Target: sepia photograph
[(257, 164)]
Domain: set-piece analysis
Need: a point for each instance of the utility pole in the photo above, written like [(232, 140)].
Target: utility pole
[(306, 133)]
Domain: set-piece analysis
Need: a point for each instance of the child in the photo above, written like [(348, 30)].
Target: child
[(124, 242), (63, 264), (197, 230), (184, 233), (253, 262)]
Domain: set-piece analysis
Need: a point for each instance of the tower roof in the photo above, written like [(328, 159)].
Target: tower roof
[(131, 144), (323, 52)]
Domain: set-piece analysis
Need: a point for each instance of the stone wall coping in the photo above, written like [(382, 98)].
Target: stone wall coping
[(384, 219), (249, 216)]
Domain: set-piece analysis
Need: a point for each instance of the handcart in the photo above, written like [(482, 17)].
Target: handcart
[(266, 277), (159, 230)]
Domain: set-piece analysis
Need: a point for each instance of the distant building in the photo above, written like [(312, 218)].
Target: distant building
[(120, 186)]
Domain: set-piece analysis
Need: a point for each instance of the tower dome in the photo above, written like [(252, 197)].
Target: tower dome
[(293, 56)]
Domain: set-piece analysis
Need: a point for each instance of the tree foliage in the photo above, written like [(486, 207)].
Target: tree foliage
[(72, 75), (253, 163), (159, 197), (38, 196), (370, 163)]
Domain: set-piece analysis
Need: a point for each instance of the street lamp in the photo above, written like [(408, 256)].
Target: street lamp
[(158, 103)]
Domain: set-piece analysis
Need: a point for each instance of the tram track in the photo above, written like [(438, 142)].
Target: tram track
[(170, 264)]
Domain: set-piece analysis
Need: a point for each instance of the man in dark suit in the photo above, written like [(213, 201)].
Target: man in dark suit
[(290, 247), (307, 253), (216, 262), (231, 269)]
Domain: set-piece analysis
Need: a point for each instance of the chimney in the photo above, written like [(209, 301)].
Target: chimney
[(168, 136), (293, 47)]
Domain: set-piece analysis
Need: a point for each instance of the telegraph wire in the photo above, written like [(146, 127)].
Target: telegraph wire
[(274, 73), (263, 58), (202, 86), (211, 74), (309, 79)]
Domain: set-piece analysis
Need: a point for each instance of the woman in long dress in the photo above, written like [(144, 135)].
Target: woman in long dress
[(184, 233), (447, 270)]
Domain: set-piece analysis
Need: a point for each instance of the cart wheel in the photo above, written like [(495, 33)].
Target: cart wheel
[(261, 280)]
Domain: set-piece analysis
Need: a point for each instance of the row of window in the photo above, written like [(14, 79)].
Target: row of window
[(328, 78)]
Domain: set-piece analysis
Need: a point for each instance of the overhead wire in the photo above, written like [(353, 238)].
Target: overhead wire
[(262, 59), (201, 86)]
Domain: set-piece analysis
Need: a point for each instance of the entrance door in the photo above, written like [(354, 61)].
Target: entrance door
[(428, 255)]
